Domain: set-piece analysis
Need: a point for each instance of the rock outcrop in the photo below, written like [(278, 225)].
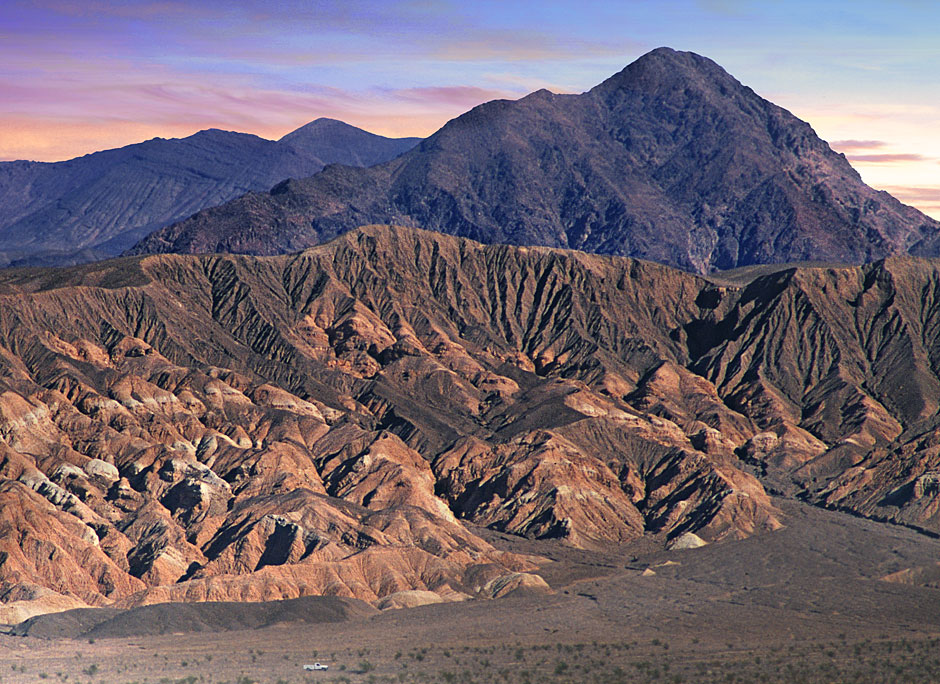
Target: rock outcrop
[(234, 428), (208, 428)]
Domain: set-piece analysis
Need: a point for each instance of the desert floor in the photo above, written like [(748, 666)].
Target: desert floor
[(803, 604)]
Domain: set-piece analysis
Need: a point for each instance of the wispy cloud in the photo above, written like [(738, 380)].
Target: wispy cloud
[(128, 10), (926, 197), (513, 46), (886, 158), (457, 96), (403, 67), (930, 193), (256, 66), (860, 151), (854, 145), (49, 139), (61, 124)]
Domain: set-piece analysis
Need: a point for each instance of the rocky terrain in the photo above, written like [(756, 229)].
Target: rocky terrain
[(671, 160), (802, 604), (233, 428), (348, 420), (97, 206)]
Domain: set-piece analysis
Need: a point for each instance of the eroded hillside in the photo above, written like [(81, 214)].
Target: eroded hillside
[(242, 428)]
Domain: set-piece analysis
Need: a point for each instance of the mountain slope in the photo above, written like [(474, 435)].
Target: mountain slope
[(237, 428), (100, 204), (337, 421), (671, 160)]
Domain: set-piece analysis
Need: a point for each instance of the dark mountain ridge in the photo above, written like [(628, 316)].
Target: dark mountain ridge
[(100, 204), (671, 160)]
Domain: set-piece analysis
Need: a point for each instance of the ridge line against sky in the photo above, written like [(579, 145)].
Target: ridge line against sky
[(77, 76)]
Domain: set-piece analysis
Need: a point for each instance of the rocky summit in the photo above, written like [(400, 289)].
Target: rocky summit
[(97, 206), (670, 160), (351, 419)]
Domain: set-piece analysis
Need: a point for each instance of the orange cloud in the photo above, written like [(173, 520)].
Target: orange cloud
[(57, 140), (56, 116), (180, 109)]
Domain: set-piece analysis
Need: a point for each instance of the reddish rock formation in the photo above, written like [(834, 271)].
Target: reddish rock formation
[(224, 427)]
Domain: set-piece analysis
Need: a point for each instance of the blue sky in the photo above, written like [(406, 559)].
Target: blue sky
[(78, 76)]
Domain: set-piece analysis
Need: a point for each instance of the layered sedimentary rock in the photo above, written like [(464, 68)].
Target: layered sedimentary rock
[(245, 428), (188, 428)]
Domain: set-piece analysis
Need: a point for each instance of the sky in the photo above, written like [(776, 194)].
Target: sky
[(77, 76)]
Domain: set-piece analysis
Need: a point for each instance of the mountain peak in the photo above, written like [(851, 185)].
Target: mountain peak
[(665, 68), (101, 204), (323, 125), (663, 54), (211, 133), (330, 139), (671, 160), (675, 59)]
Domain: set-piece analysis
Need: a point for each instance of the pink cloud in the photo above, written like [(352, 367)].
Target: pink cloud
[(78, 119), (852, 145), (458, 96), (914, 193), (53, 113), (859, 151), (925, 197), (165, 66), (885, 158)]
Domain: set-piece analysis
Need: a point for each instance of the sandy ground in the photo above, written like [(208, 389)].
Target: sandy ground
[(805, 603)]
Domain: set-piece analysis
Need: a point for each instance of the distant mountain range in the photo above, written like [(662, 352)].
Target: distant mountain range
[(671, 160), (98, 205), (401, 417)]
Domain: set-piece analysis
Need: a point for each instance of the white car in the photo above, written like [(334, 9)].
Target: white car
[(317, 666)]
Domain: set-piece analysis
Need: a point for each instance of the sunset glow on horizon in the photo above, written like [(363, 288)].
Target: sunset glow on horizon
[(78, 77)]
